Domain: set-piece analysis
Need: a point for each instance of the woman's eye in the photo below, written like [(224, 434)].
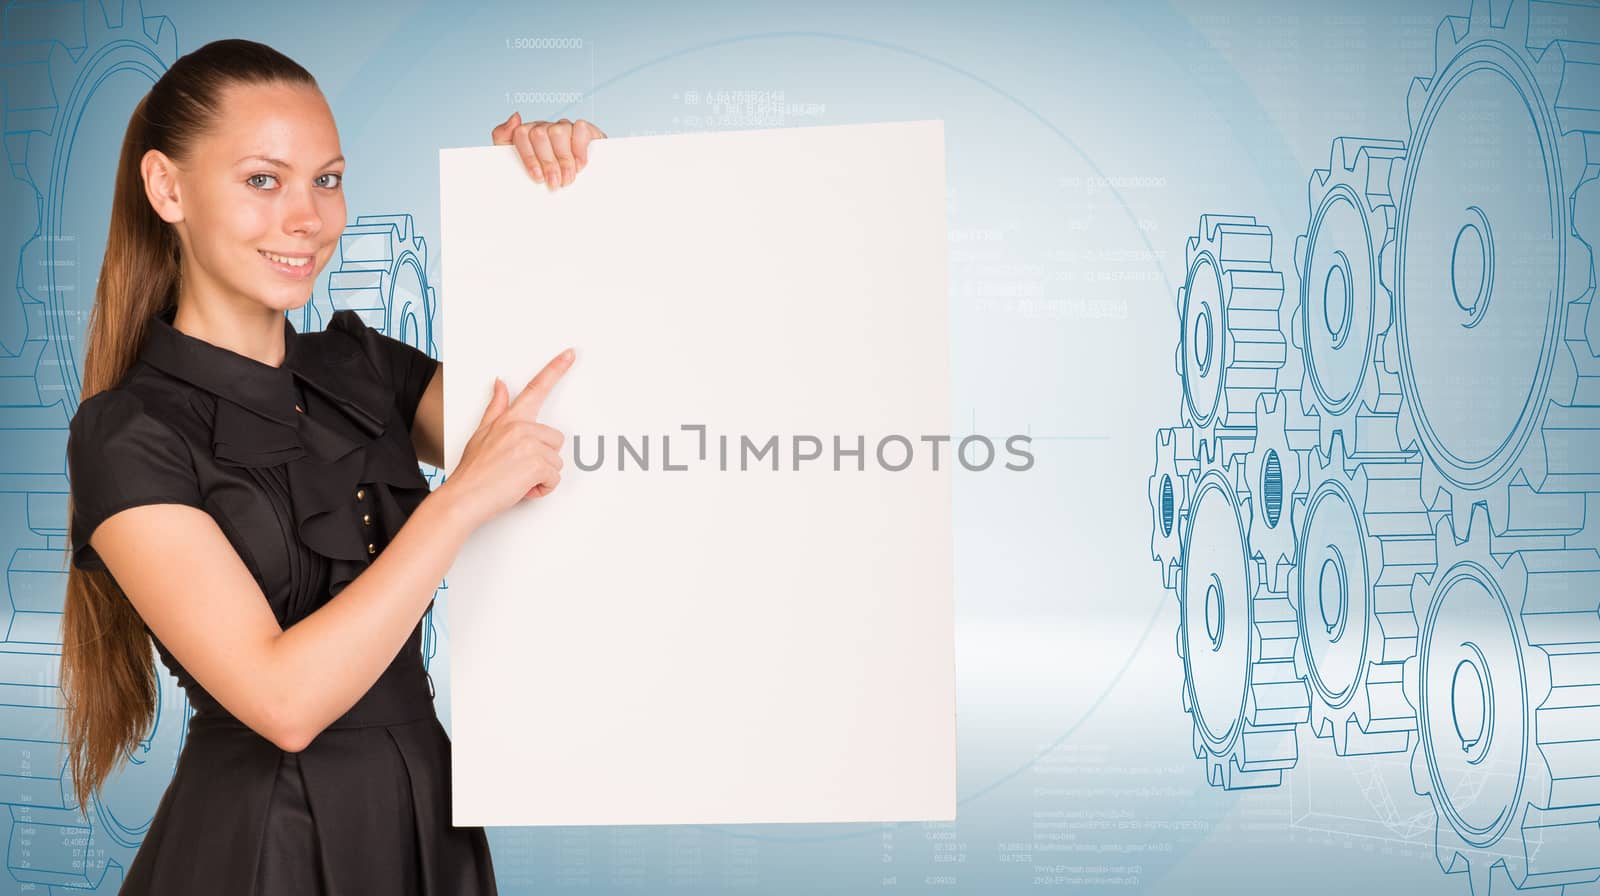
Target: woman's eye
[(330, 180)]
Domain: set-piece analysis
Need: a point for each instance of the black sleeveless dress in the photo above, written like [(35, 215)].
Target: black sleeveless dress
[(309, 470)]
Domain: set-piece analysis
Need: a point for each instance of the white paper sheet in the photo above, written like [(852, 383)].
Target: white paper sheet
[(708, 645)]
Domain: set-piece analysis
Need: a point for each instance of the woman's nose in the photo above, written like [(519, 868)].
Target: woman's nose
[(301, 216)]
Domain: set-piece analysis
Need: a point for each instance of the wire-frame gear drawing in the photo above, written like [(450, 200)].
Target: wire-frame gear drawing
[(1276, 475), (1236, 639), (1571, 433), (1343, 308), (70, 74), (1169, 499), (382, 276), (1506, 681), (1583, 343), (1365, 536), (1230, 341), (1483, 278)]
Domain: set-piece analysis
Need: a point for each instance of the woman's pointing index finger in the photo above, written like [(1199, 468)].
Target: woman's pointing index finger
[(531, 399)]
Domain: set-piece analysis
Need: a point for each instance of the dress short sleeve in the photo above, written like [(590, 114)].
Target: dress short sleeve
[(408, 368), (119, 456)]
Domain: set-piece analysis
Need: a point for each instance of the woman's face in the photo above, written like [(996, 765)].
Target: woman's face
[(261, 196)]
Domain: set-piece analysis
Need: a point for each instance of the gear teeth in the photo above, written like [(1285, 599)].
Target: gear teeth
[(1276, 472), (1507, 678), (1365, 535), (1231, 343), (1343, 309), (1444, 589), (1528, 448), (1583, 340), (1378, 425), (1169, 489), (383, 278), (1507, 673), (1236, 639), (1571, 428), (1277, 695)]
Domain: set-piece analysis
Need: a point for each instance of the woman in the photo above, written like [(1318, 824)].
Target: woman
[(248, 496)]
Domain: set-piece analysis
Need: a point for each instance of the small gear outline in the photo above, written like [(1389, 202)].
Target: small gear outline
[(1230, 339), (1343, 308), (383, 277), (1236, 640), (1169, 488), (1365, 536), (1275, 475)]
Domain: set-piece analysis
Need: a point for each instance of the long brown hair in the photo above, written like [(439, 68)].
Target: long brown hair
[(108, 673)]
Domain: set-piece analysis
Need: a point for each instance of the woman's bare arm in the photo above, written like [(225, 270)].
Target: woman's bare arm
[(427, 430), (287, 685)]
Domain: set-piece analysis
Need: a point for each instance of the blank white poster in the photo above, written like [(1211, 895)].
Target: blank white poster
[(743, 612)]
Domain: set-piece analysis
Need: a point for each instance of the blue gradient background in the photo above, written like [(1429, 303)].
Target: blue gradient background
[(1084, 140)]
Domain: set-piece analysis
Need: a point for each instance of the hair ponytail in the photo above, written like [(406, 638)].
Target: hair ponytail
[(108, 672)]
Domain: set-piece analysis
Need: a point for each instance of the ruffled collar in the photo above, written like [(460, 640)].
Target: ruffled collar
[(348, 434), (257, 421)]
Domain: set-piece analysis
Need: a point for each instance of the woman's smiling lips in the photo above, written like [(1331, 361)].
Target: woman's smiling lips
[(295, 267)]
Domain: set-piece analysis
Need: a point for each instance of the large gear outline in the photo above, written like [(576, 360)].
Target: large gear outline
[(1506, 677), (1236, 639), (1230, 339), (1365, 536), (60, 57), (1343, 308), (1528, 479)]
